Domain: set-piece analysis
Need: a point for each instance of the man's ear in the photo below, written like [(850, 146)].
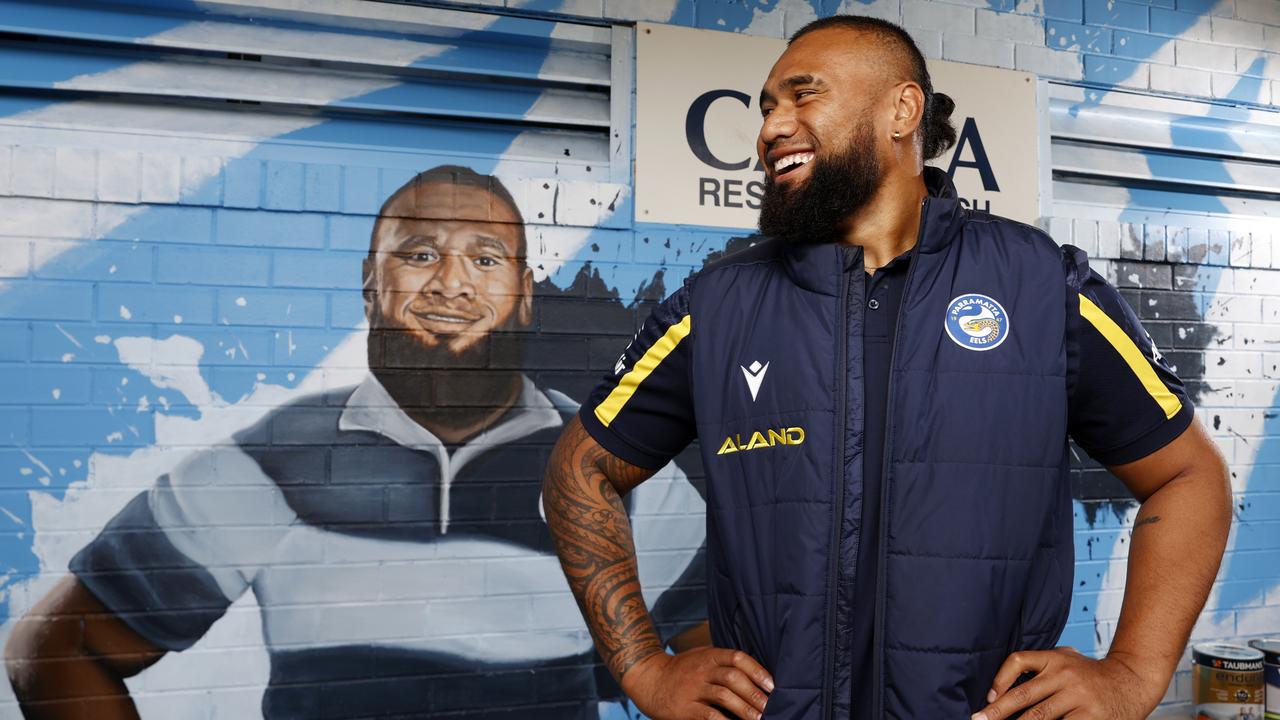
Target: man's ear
[(368, 287), (525, 315), (908, 108)]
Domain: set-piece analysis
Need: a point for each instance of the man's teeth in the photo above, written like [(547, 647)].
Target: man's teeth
[(445, 318), (793, 159)]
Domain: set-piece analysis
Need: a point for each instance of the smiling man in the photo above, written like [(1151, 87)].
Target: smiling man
[(884, 390), (390, 532)]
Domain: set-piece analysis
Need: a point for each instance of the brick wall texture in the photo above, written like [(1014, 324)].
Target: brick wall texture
[(166, 289)]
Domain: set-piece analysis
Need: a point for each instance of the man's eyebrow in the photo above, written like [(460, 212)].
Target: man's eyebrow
[(791, 83), (417, 239), (806, 79), (493, 243)]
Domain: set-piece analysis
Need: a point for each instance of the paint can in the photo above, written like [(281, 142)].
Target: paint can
[(1270, 648), (1227, 682)]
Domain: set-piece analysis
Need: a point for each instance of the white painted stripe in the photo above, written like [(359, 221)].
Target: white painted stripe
[(261, 83), (480, 598), (224, 514), (286, 42)]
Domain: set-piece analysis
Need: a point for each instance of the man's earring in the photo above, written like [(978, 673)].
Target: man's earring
[(896, 134)]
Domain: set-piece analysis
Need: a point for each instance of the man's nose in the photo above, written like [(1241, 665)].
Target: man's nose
[(779, 123), (453, 278)]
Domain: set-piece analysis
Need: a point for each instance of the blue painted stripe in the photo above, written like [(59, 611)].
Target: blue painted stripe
[(102, 23)]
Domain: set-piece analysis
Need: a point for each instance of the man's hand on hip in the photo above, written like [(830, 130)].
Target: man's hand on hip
[(701, 684), (1068, 684)]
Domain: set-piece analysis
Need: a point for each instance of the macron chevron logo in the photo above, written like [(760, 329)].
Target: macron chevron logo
[(754, 376)]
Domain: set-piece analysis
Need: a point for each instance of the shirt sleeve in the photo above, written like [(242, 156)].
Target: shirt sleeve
[(643, 411), (174, 559), (1125, 401)]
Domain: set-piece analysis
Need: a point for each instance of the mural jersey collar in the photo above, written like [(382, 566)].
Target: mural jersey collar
[(372, 409)]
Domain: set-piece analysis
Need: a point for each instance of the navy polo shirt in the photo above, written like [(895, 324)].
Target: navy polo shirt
[(882, 296)]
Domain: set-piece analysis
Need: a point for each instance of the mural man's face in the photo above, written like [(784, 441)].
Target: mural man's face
[(817, 141), (446, 269)]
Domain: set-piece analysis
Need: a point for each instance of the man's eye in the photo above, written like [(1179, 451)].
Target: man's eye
[(421, 257), (764, 112), (487, 261)]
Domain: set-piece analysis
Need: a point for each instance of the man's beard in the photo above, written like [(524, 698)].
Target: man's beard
[(838, 186), (434, 378)]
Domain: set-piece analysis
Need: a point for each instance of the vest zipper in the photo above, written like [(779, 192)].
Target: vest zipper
[(837, 513), (882, 551)]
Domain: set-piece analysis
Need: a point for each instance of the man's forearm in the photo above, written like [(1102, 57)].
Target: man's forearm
[(1176, 547), (592, 536)]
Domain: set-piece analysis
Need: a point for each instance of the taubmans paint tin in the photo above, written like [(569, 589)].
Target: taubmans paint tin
[(1270, 648), (1227, 682)]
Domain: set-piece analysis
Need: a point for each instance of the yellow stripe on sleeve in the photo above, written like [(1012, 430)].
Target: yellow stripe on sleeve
[(1128, 350), (612, 405)]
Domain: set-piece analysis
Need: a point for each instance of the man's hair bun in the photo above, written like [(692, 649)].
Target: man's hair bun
[(943, 105), (938, 132)]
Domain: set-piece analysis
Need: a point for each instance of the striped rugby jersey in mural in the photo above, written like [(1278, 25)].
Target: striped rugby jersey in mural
[(392, 576)]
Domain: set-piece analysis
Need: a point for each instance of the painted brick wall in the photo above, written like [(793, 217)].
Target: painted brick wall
[(156, 295)]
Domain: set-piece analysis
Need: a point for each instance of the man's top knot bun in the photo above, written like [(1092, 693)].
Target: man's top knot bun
[(943, 105), (938, 132)]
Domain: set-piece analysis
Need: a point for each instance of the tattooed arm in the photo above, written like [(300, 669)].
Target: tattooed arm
[(582, 497)]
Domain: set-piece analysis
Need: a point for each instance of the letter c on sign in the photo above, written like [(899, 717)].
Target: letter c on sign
[(695, 127)]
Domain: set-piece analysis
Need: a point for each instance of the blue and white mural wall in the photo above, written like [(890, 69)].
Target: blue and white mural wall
[(283, 372), (203, 406)]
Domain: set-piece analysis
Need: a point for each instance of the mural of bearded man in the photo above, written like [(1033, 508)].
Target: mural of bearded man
[(391, 532)]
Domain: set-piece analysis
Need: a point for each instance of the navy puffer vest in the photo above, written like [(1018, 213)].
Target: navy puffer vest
[(976, 554)]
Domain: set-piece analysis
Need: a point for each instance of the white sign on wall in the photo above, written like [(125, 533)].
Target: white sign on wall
[(697, 117)]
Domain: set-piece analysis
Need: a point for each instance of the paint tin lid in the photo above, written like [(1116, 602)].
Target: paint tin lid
[(1270, 648), (1227, 657)]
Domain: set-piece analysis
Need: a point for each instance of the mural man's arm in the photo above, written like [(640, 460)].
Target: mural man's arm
[(1177, 544), (582, 497), (69, 655)]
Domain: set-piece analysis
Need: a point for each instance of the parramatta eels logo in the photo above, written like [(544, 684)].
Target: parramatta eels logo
[(762, 439), (976, 322)]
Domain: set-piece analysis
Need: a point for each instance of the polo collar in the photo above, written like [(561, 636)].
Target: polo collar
[(370, 408)]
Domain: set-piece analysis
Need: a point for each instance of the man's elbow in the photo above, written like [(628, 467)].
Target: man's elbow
[(1211, 474), (1213, 466)]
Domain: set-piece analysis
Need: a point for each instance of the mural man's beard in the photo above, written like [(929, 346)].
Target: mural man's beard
[(838, 186), (453, 388)]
